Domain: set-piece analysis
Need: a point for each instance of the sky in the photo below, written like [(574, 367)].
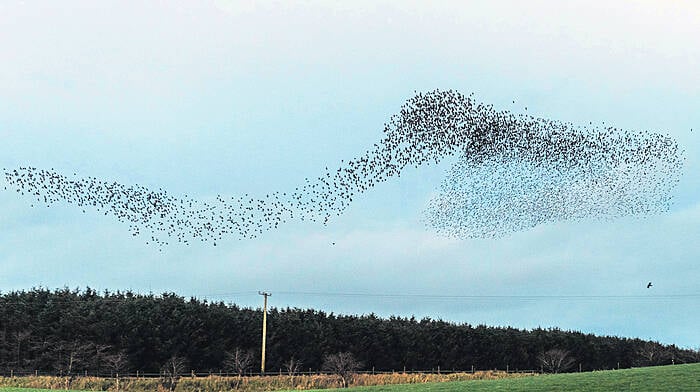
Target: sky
[(225, 97)]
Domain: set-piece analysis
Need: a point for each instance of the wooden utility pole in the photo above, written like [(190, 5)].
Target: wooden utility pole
[(264, 330)]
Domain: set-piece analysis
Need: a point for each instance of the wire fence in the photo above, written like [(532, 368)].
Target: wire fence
[(223, 373)]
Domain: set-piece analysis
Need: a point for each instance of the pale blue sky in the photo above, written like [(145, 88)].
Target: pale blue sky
[(216, 97)]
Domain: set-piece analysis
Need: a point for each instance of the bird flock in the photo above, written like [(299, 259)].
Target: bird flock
[(512, 172)]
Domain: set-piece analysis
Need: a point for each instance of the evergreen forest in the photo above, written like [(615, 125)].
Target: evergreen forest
[(74, 331)]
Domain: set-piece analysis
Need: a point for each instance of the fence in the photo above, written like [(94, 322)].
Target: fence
[(222, 373)]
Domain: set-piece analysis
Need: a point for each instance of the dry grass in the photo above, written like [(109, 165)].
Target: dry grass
[(246, 384), (81, 383)]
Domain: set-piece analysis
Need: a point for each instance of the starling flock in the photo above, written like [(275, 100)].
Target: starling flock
[(512, 172)]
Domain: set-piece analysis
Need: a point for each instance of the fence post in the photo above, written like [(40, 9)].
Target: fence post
[(438, 369), (507, 368)]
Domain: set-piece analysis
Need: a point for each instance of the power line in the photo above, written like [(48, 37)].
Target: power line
[(218, 297), (564, 297)]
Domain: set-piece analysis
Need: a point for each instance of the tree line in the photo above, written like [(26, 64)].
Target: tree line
[(68, 331)]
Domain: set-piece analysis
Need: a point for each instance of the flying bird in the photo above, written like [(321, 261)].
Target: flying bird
[(649, 285), (511, 172)]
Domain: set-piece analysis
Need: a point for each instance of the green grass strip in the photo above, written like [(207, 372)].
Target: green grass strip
[(676, 378)]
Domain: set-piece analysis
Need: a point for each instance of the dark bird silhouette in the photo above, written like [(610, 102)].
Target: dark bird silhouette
[(649, 285)]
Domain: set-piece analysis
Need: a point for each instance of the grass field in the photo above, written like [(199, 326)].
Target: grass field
[(679, 378)]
